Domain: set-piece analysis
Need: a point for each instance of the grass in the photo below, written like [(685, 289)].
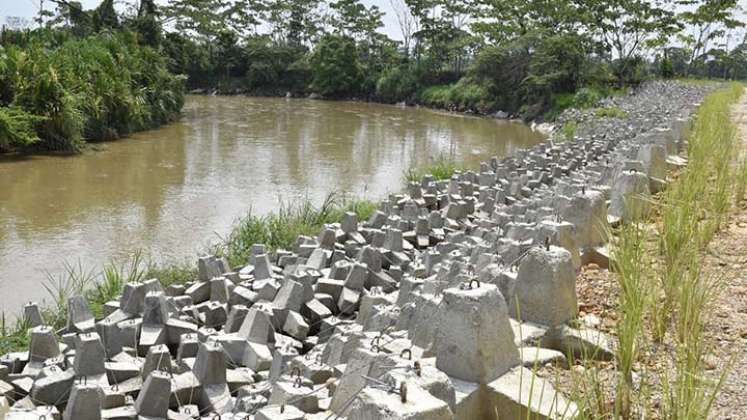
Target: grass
[(664, 296), (280, 230), (97, 287), (275, 230), (440, 168), (465, 95), (568, 131), (611, 112)]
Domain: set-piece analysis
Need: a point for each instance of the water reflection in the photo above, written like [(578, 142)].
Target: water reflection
[(169, 191)]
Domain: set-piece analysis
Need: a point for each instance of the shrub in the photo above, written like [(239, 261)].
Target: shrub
[(71, 90), (17, 128), (335, 69), (586, 98), (397, 84)]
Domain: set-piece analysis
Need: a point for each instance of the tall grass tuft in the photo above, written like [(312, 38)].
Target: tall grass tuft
[(633, 274), (664, 297), (440, 168), (741, 185), (113, 279), (280, 230)]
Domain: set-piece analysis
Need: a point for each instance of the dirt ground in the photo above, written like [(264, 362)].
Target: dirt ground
[(727, 327), (726, 259)]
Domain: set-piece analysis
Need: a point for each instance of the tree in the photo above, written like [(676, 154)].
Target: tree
[(353, 19), (442, 33), (708, 22), (105, 17), (146, 23), (505, 20), (408, 23), (627, 27), (295, 22), (335, 69)]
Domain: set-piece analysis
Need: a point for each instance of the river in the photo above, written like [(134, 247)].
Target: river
[(169, 192)]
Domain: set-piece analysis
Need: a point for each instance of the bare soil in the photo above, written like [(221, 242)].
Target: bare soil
[(726, 329)]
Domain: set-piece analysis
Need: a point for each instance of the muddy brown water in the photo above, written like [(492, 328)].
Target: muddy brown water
[(170, 192)]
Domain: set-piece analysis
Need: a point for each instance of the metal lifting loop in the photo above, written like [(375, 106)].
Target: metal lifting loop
[(409, 354), (477, 282), (375, 343)]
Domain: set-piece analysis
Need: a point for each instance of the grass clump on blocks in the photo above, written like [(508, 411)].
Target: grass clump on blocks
[(279, 230), (98, 287), (440, 168), (664, 295)]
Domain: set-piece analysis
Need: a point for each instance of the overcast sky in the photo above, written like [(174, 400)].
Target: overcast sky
[(29, 8)]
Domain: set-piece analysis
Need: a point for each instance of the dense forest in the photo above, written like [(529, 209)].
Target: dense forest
[(99, 74)]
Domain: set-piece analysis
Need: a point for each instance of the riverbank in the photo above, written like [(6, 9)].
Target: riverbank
[(402, 285), (673, 297), (444, 98), (174, 190), (59, 92)]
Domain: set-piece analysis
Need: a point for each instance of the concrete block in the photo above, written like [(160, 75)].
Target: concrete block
[(235, 318), (79, 317), (210, 365), (157, 359), (580, 343), (545, 289), (43, 344), (257, 357), (219, 289), (257, 327), (32, 315), (630, 196), (84, 403), (521, 394), (54, 387), (155, 309), (356, 277), (476, 342), (294, 392), (296, 326), (280, 412), (89, 355), (199, 291), (153, 399), (415, 404)]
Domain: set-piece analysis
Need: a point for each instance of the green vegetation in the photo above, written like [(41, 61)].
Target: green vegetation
[(57, 92), (527, 58), (611, 112), (280, 229), (335, 67), (440, 168), (569, 130), (664, 295), (465, 95), (97, 287)]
